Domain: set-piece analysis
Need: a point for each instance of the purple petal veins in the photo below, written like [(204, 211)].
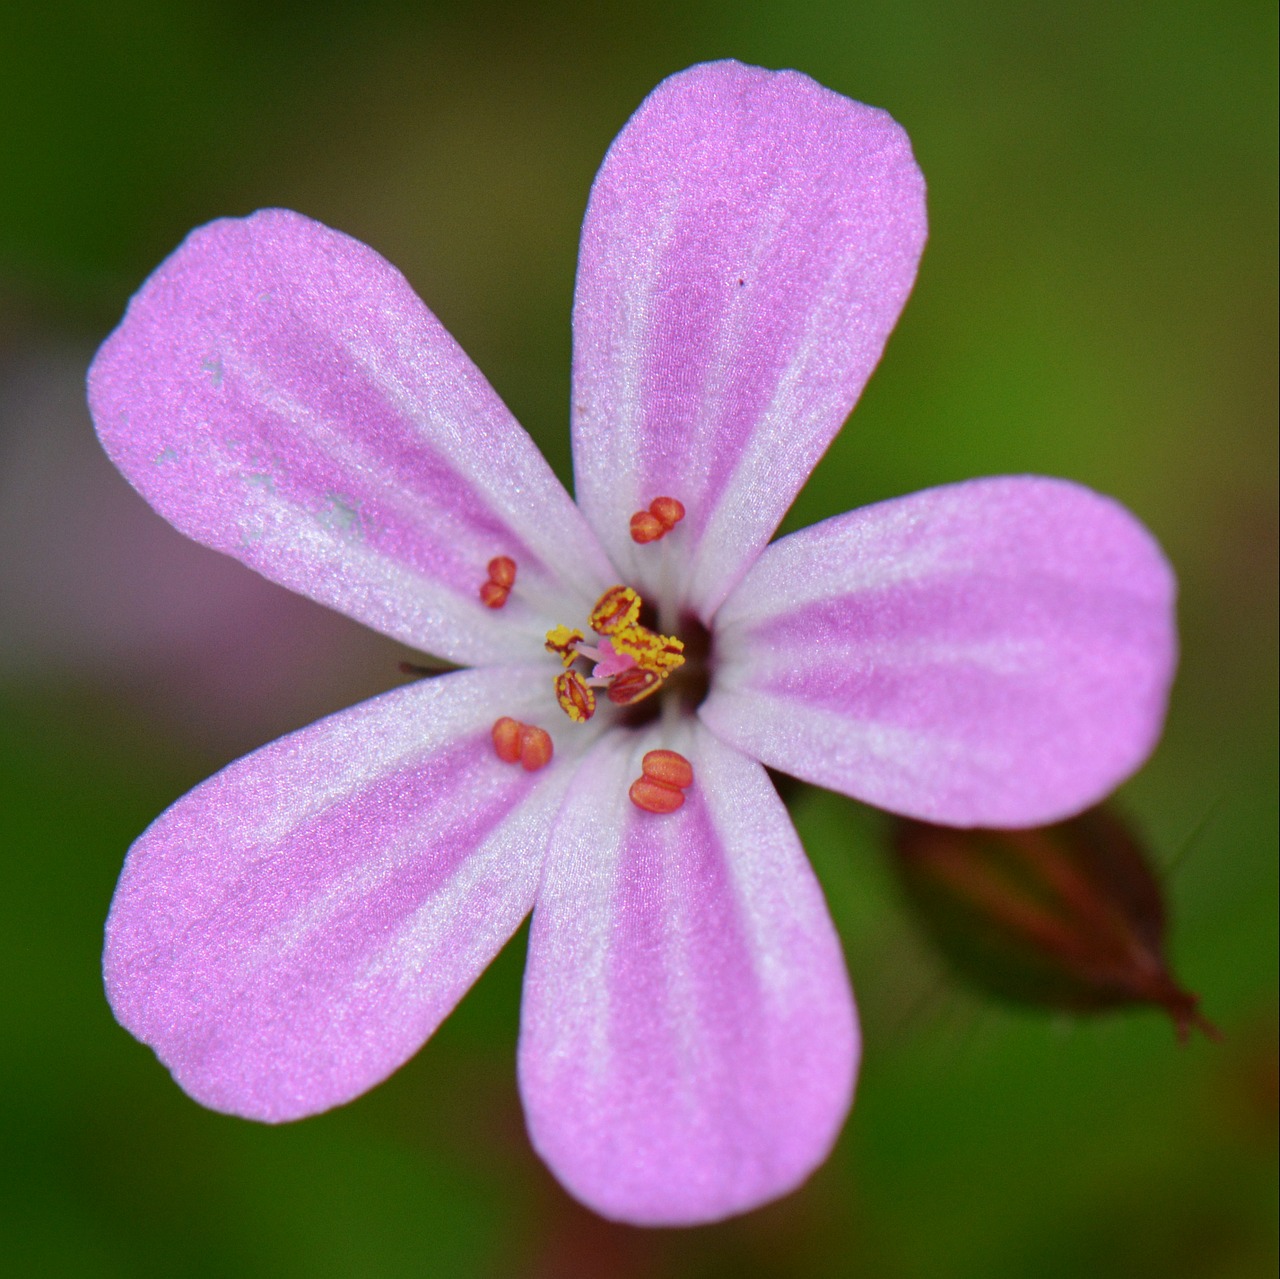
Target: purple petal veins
[(750, 241), (292, 930), (687, 1040), (996, 653), (303, 411)]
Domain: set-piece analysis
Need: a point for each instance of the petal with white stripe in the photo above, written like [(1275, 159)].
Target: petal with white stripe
[(749, 243), (995, 653), (277, 391), (688, 1040), (293, 930)]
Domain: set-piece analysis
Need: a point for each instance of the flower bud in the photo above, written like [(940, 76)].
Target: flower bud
[(1069, 916)]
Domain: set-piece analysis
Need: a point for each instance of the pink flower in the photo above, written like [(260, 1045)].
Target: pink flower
[(994, 653)]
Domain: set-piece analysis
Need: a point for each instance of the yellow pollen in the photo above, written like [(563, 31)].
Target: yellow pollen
[(563, 640), (618, 607), (575, 697), (661, 654)]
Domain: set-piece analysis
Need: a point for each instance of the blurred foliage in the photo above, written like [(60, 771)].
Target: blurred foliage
[(1069, 916), (1097, 301)]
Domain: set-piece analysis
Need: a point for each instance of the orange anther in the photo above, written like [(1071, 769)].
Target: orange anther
[(634, 685), (646, 527), (492, 595), (506, 739), (619, 606), (575, 697), (668, 767), (655, 797), (535, 748), (667, 511), (502, 571)]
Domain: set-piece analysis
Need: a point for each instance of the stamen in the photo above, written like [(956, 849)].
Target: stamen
[(502, 570), (668, 510), (506, 739), (654, 797), (576, 699), (619, 606), (660, 653), (535, 748), (526, 744), (669, 767), (646, 527), (564, 641), (502, 577), (665, 776), (633, 686), (663, 515), (631, 661)]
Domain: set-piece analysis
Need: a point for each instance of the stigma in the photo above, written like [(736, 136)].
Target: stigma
[(629, 662)]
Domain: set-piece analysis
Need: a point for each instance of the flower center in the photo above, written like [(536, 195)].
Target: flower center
[(626, 661), (629, 662)]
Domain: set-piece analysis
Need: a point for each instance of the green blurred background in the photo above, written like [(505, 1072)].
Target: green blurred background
[(1097, 301)]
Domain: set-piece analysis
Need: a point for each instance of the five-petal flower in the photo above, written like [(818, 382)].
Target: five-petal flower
[(997, 652)]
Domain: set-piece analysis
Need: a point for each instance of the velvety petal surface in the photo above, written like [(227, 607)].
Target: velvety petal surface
[(996, 653), (278, 392), (749, 243), (688, 1040), (292, 930)]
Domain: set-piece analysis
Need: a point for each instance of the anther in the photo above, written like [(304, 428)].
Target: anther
[(619, 606), (661, 653), (634, 685), (646, 527), (502, 570), (563, 641), (668, 511), (663, 515), (665, 776), (669, 767), (502, 577), (654, 797), (575, 697), (535, 748), (506, 739), (524, 744)]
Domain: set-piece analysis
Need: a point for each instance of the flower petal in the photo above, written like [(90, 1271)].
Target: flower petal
[(750, 241), (997, 653), (291, 931), (688, 1041), (278, 392)]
